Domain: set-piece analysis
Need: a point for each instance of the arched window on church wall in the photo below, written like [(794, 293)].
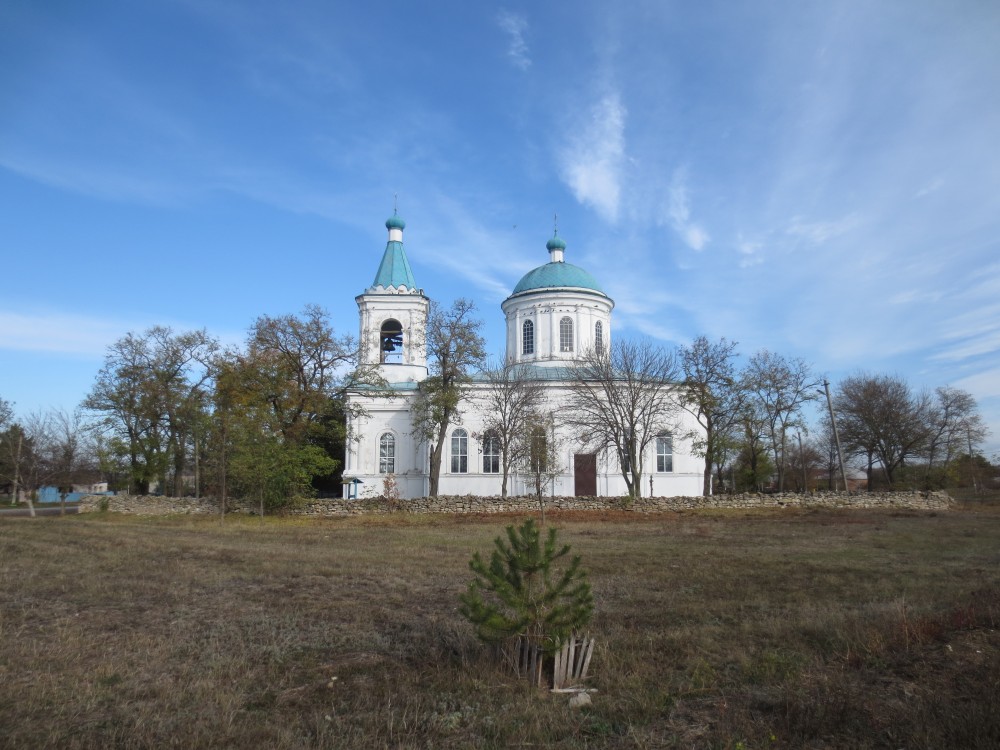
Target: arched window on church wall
[(390, 342), (599, 337), (459, 452), (566, 335), (527, 337), (387, 454)]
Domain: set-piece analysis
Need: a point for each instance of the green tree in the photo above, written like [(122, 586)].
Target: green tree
[(454, 347), (17, 456), (24, 448), (278, 425), (522, 592), (254, 457), (148, 394)]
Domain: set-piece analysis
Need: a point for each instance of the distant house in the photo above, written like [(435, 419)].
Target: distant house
[(51, 494)]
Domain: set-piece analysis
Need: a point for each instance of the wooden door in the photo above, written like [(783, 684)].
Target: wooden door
[(585, 474)]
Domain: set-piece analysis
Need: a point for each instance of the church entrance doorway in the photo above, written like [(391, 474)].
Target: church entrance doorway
[(585, 474)]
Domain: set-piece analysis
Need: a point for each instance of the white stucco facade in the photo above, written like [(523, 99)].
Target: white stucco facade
[(556, 313)]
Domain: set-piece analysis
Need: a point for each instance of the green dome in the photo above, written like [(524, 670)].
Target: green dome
[(395, 222), (556, 243), (557, 275)]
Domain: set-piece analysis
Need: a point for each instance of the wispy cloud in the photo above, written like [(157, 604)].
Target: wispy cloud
[(679, 211), (104, 182), (54, 332), (818, 232), (515, 26), (454, 232), (593, 160), (932, 187), (61, 333), (749, 251), (985, 384)]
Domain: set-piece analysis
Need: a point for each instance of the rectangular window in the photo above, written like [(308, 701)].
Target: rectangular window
[(664, 453), (491, 454)]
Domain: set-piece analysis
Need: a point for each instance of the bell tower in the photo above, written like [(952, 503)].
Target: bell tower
[(393, 315)]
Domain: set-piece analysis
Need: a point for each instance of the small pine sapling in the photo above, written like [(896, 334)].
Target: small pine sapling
[(520, 593)]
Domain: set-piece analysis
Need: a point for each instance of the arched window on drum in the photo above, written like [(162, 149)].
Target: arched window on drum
[(566, 335), (528, 337)]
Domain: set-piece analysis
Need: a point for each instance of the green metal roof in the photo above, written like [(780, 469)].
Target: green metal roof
[(394, 270), (556, 275)]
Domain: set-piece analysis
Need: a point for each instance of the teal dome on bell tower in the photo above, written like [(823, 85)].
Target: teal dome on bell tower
[(394, 271)]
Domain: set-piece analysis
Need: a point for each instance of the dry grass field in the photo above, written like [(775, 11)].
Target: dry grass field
[(829, 629)]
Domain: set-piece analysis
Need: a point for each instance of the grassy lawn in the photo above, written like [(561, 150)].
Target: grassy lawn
[(825, 629)]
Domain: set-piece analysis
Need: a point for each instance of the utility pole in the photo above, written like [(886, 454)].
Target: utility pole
[(836, 435)]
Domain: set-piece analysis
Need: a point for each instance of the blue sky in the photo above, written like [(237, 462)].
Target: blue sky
[(818, 179)]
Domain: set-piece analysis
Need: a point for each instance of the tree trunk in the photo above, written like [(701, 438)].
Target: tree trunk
[(436, 453), (781, 463), (706, 483), (222, 504), (180, 462)]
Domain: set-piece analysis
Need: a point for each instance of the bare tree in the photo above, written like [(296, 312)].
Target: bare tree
[(510, 403), (780, 386), (6, 413), (539, 455), (454, 347), (65, 451), (826, 443), (621, 399), (954, 425), (750, 438), (805, 464), (6, 452), (714, 394), (882, 420)]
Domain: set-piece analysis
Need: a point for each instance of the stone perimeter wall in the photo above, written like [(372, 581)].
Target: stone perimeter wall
[(158, 506)]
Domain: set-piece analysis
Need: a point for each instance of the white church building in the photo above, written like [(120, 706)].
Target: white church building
[(554, 314)]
